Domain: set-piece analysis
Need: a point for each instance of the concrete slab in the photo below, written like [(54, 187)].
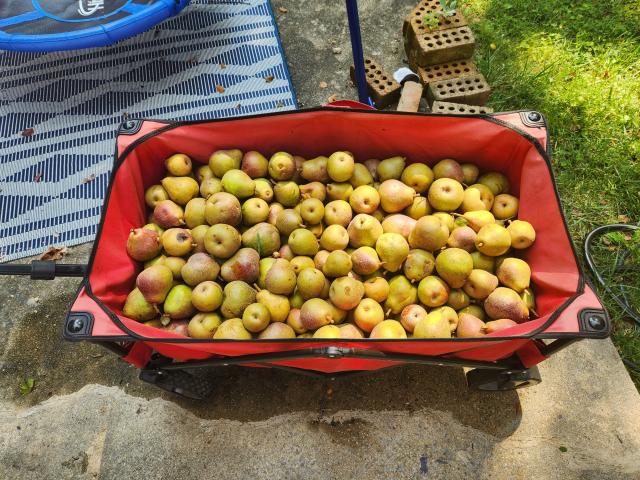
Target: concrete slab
[(89, 417)]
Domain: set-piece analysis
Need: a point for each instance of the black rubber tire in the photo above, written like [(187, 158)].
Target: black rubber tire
[(502, 380)]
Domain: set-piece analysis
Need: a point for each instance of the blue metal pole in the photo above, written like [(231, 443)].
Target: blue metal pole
[(358, 53)]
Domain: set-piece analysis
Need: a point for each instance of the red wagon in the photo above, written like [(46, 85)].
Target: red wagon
[(514, 143)]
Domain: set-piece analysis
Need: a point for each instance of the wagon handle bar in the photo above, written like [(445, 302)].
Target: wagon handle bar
[(44, 270)]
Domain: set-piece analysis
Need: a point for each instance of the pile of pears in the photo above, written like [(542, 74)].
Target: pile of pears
[(253, 248)]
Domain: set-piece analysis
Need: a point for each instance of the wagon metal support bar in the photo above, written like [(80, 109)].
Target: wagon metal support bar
[(357, 51), (338, 353), (44, 270)]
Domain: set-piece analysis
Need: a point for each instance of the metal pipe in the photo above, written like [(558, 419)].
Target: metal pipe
[(358, 53)]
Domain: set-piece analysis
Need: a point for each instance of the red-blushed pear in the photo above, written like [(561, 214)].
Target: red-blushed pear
[(398, 223), (464, 238), (347, 330), (168, 214), (316, 313), (470, 173), (448, 168), (498, 325), (395, 196), (506, 303), (411, 315), (143, 244), (254, 164), (470, 326), (294, 321), (154, 283), (223, 207)]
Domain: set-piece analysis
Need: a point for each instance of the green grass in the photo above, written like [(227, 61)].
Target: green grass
[(579, 64)]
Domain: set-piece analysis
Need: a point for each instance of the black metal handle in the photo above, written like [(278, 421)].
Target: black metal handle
[(43, 270)]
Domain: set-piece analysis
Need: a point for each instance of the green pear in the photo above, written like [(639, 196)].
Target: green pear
[(470, 173), (361, 176), (493, 240), (264, 238), (310, 283), (454, 266), (338, 264), (207, 296), (334, 237), (445, 194), (238, 184), (256, 317), (303, 242), (178, 303), (232, 329), (221, 161), (340, 166), (392, 249), (364, 230), (263, 189), (203, 325), (199, 268), (390, 168), (254, 210), (154, 195), (419, 264), (287, 193), (418, 176), (137, 308), (278, 305), (401, 294), (339, 191), (497, 182), (222, 240)]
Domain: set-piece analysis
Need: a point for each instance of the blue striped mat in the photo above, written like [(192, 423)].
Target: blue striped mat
[(59, 111)]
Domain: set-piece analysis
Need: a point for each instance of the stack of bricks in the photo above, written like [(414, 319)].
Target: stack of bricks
[(441, 55)]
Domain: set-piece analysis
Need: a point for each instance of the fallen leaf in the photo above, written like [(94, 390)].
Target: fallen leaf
[(223, 66), (219, 89), (192, 60), (27, 132), (37, 177), (54, 253), (611, 248), (268, 78), (623, 218), (238, 106), (627, 237), (26, 386), (280, 104), (605, 74), (336, 50), (90, 178), (333, 98), (323, 84), (606, 241), (283, 9)]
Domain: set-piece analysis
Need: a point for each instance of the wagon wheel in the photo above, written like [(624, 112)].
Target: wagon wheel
[(502, 380)]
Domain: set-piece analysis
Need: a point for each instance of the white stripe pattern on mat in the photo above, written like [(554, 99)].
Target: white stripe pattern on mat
[(53, 181)]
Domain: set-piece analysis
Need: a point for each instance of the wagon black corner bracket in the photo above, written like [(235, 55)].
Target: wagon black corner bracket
[(533, 119), (130, 126), (78, 326), (594, 323)]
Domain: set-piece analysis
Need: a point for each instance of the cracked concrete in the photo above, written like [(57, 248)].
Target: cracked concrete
[(90, 417)]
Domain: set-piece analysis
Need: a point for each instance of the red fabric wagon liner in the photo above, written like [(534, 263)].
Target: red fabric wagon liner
[(504, 142)]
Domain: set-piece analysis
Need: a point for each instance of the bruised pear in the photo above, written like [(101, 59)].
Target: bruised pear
[(177, 241), (506, 303), (282, 166), (346, 292), (419, 264), (137, 308), (243, 265), (395, 196), (143, 244)]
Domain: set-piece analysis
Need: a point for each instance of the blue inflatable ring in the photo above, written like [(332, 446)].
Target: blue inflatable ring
[(50, 25)]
